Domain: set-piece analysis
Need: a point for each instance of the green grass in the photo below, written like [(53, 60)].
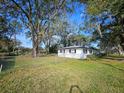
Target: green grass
[(52, 74)]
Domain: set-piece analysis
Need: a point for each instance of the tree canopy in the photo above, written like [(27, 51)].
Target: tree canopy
[(46, 22)]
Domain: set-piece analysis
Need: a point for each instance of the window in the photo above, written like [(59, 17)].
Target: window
[(90, 50), (72, 50), (85, 51), (75, 50), (63, 50), (60, 50)]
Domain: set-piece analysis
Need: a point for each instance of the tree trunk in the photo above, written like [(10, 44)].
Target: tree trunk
[(120, 50), (47, 48), (34, 50), (14, 44), (37, 46)]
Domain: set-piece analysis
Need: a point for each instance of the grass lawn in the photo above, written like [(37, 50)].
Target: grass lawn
[(53, 74)]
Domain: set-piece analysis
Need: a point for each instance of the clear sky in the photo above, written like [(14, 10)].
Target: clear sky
[(26, 42)]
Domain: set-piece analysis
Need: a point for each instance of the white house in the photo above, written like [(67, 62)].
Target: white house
[(77, 52)]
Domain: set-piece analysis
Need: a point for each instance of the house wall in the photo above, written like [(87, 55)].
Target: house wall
[(78, 55)]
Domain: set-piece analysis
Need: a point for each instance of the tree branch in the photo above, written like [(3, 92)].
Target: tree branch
[(30, 8), (26, 14)]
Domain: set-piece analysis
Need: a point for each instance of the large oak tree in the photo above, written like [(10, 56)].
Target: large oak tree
[(34, 15)]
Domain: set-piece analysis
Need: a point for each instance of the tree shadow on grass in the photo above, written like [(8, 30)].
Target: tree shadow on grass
[(113, 67), (115, 58), (7, 62)]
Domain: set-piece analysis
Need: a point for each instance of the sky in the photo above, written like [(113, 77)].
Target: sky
[(26, 42), (76, 18)]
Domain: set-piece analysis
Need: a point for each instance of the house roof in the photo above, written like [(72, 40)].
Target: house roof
[(75, 47)]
